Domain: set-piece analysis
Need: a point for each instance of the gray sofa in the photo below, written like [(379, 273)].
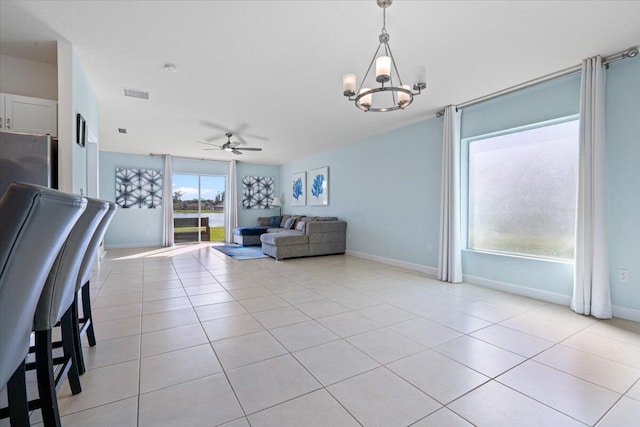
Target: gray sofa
[(307, 236)]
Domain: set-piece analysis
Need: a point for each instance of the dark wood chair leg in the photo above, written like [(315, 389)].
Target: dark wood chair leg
[(69, 333), (77, 336), (46, 382), (17, 397), (86, 313)]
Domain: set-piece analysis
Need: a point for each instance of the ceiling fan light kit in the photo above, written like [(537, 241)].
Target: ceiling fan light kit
[(398, 95), (230, 146)]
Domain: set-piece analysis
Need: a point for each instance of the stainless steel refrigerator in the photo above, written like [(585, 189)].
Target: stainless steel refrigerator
[(28, 158)]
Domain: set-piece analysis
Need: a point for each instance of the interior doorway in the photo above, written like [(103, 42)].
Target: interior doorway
[(198, 208)]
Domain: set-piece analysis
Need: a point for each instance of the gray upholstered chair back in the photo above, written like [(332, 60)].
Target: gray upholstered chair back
[(87, 263), (59, 290), (35, 224)]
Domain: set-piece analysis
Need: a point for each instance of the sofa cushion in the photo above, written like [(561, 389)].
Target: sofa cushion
[(300, 226), (288, 224), (249, 231), (275, 221), (326, 218), (284, 219), (285, 238)]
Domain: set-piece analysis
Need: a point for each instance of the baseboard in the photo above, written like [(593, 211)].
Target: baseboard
[(429, 271), (519, 290), (626, 313)]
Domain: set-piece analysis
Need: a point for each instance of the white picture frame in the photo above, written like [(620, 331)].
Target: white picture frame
[(318, 187), (298, 189)]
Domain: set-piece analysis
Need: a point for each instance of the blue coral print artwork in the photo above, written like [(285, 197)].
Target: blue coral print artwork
[(318, 191), (138, 188), (298, 189), (257, 192)]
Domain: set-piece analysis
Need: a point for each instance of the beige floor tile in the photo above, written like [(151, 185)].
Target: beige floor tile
[(219, 311), (158, 294), (386, 314), (123, 413), (479, 355), (263, 303), (248, 293), (349, 323), (317, 409), (335, 361), (264, 384), (441, 418), (380, 398), (213, 298), (230, 327), (113, 351), (579, 399), (542, 327), (618, 351), (240, 422), (101, 386), (246, 349), (110, 329), (110, 291), (151, 307), (118, 299), (626, 413), (425, 332), (385, 345), (116, 312), (278, 317), (321, 308), (515, 341), (207, 401), (606, 373), (172, 339), (168, 319), (488, 312), (356, 301), (301, 297), (303, 335), (634, 393), (438, 376), (493, 404), (175, 367)]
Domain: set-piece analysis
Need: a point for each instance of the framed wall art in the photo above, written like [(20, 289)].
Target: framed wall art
[(138, 188), (318, 187), (298, 189), (257, 192)]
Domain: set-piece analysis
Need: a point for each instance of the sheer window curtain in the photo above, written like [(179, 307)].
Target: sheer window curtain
[(450, 257), (167, 206), (231, 203), (591, 289)]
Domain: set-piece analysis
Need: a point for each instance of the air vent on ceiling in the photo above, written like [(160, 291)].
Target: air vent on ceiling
[(122, 130), (134, 93)]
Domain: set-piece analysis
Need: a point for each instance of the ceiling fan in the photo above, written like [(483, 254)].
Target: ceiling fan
[(232, 146)]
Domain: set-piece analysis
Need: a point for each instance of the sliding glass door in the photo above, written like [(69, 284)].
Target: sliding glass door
[(198, 208)]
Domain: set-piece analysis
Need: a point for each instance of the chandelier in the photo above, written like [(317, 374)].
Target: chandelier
[(391, 94)]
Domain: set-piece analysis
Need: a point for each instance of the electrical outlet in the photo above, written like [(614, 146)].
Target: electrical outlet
[(623, 275)]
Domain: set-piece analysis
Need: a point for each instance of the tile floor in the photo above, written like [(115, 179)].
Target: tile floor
[(190, 337)]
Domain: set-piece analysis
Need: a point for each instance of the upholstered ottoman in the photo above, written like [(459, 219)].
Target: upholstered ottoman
[(248, 236), (285, 244)]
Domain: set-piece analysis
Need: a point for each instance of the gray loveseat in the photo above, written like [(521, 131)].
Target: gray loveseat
[(307, 236)]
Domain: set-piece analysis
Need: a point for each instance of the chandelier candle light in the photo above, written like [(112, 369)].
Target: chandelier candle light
[(398, 96)]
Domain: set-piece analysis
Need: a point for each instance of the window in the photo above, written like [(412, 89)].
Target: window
[(522, 189), (198, 208)]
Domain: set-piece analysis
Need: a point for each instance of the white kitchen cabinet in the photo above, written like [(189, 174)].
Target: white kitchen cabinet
[(26, 114)]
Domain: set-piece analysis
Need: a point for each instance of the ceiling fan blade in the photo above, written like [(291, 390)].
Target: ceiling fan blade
[(214, 138), (213, 125), (260, 138), (248, 148), (206, 143), (210, 149), (234, 151)]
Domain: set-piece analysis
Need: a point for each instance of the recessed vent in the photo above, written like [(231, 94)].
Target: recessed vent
[(122, 130), (134, 93)]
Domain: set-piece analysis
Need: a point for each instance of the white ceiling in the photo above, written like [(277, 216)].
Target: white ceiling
[(273, 69)]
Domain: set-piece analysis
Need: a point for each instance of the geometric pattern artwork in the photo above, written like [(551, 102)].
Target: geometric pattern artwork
[(138, 188), (257, 192), (318, 187), (298, 189)]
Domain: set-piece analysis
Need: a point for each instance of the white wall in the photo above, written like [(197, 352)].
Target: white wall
[(28, 78)]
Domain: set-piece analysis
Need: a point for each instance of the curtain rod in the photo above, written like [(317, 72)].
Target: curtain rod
[(627, 53), (186, 157)]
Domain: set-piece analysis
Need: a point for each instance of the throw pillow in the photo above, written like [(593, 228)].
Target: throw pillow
[(288, 224), (275, 221), (300, 226)]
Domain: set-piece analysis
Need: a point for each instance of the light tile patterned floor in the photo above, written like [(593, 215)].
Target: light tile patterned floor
[(190, 337)]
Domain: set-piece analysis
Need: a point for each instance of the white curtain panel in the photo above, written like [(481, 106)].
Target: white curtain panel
[(450, 257), (231, 203), (167, 206), (591, 290)]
